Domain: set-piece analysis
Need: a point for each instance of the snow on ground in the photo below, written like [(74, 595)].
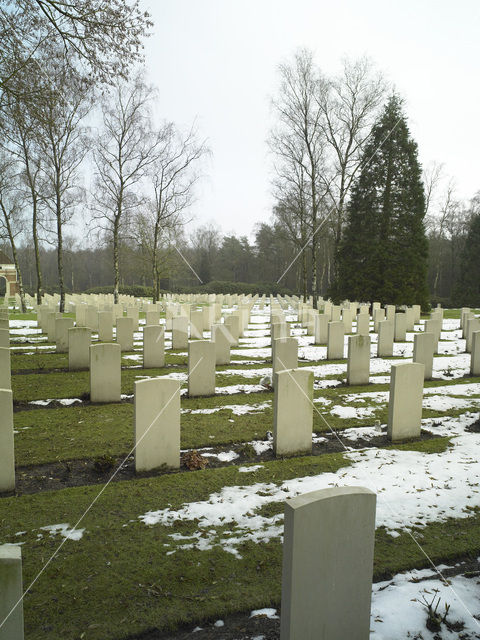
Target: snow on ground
[(406, 592), (412, 489)]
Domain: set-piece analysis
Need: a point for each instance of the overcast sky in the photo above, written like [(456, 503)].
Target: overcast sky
[(215, 61)]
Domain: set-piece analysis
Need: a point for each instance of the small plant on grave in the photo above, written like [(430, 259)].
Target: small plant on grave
[(448, 372), (104, 463), (248, 451), (434, 619), (194, 460)]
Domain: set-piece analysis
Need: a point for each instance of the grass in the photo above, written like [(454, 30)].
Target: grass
[(122, 562)]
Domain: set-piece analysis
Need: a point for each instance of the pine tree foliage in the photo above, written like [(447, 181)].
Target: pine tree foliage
[(383, 255), (469, 286)]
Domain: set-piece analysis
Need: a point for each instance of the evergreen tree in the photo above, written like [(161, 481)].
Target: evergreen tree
[(468, 290), (383, 255)]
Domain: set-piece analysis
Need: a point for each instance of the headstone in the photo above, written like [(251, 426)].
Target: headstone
[(390, 312), (125, 333), (328, 546), (400, 332), (423, 350), (473, 324), (105, 326), (51, 318), (221, 339), (335, 341), (385, 338), (475, 357), (133, 313), (363, 324), (378, 316), (405, 402), (347, 320), (7, 451), (201, 368), (410, 318), (11, 593), (157, 423), (358, 360), (4, 338), (79, 340), (153, 346), (293, 412), (5, 368), (180, 332), (152, 317), (417, 310), (62, 325), (285, 354), (91, 317), (105, 372), (196, 325), (321, 329), (232, 322), (434, 326)]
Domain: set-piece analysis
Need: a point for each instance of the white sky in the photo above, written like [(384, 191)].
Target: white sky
[(216, 61)]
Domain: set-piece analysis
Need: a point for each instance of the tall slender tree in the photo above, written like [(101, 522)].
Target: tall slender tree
[(383, 255)]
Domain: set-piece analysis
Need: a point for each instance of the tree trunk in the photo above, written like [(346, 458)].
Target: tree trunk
[(37, 250), (60, 246), (116, 270)]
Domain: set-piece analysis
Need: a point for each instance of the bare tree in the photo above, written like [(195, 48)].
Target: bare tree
[(349, 104), (173, 176), (20, 139), (103, 36), (11, 221), (124, 152), (300, 138), (63, 143)]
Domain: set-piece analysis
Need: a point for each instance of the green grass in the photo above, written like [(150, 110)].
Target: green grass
[(118, 580)]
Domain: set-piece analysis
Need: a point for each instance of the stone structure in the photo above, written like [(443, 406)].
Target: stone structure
[(335, 341), (125, 328), (5, 368), (293, 412), (385, 338), (153, 346), (157, 423), (7, 452), (405, 403), (201, 368), (105, 372), (475, 357), (9, 274), (179, 332), (328, 565), (358, 360), (423, 350), (79, 340), (11, 593)]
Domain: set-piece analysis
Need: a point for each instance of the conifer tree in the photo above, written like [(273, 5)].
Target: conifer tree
[(383, 256), (468, 290)]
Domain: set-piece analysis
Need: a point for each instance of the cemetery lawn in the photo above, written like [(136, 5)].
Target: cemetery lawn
[(121, 565)]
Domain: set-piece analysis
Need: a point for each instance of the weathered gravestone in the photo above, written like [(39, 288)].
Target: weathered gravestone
[(125, 333), (475, 357), (7, 452), (363, 324), (358, 360), (105, 326), (5, 368), (335, 341), (11, 593), (4, 338), (423, 350), (321, 329), (157, 424), (285, 354), (385, 338), (153, 346), (232, 322), (400, 332), (196, 325), (328, 546), (221, 339), (180, 332), (62, 325), (152, 317), (79, 340), (201, 368), (405, 402), (105, 372), (293, 412)]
